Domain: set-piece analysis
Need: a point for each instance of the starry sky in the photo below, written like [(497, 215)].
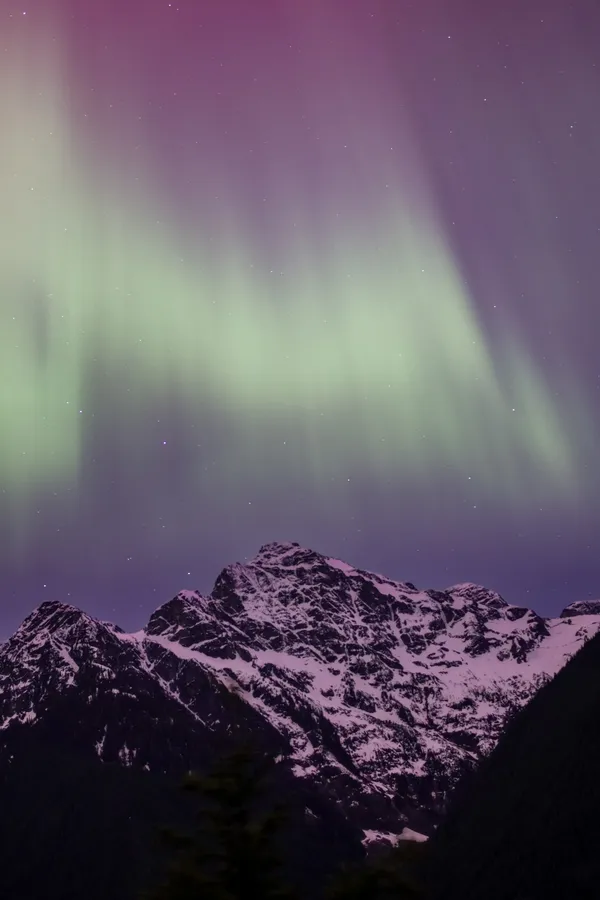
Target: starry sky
[(323, 271)]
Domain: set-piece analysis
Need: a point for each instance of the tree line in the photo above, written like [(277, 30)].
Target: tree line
[(234, 850)]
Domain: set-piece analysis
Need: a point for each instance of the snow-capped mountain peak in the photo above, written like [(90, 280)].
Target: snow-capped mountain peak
[(382, 693), (581, 608), (52, 616)]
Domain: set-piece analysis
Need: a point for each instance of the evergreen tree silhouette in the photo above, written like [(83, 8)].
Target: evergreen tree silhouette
[(232, 853)]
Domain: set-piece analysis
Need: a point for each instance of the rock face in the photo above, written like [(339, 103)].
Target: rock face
[(381, 694)]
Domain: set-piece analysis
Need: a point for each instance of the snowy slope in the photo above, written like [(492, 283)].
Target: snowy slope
[(381, 693)]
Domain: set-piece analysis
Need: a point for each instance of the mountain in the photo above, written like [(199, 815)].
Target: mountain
[(526, 825), (381, 694)]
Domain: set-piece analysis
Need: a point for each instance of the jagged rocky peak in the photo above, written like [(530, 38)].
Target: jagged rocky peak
[(286, 554), (476, 593), (581, 608), (179, 613), (281, 572), (283, 556), (53, 617), (290, 559), (289, 574)]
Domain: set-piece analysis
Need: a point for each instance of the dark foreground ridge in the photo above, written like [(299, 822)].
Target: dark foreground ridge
[(527, 825)]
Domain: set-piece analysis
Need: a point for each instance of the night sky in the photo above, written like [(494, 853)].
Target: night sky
[(312, 270)]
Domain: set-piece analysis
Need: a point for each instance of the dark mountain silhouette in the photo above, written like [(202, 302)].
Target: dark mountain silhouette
[(527, 824)]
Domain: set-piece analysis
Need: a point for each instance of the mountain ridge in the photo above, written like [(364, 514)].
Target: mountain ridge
[(381, 694)]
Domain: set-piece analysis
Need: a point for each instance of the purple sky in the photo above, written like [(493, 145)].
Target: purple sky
[(280, 131)]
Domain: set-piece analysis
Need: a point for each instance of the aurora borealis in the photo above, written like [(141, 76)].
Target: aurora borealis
[(321, 271)]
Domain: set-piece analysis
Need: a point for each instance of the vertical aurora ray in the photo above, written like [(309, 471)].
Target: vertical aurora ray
[(337, 309)]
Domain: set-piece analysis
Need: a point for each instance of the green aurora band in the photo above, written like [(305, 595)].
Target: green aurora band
[(369, 338)]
